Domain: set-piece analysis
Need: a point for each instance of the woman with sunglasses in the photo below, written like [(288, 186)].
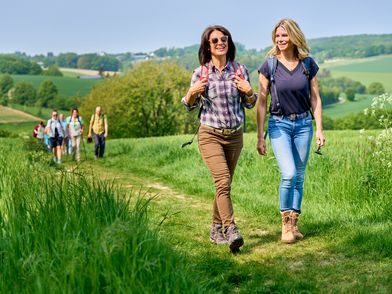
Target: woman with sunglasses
[(295, 101), (220, 87)]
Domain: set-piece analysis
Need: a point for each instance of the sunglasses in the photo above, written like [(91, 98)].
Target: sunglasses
[(216, 40)]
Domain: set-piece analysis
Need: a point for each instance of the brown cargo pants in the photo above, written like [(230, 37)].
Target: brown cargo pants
[(220, 153)]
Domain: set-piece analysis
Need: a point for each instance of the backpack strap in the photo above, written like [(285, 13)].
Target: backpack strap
[(306, 66), (238, 72), (272, 65)]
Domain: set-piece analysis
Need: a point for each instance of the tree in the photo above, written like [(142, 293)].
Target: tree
[(350, 94), (144, 103), (6, 83), (47, 92), (24, 93), (376, 88), (67, 60), (53, 70)]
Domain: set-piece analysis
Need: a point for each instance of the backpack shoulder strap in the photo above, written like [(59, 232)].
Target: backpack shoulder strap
[(306, 65), (272, 64), (238, 70)]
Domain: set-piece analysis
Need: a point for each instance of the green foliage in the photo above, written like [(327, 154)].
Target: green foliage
[(350, 94), (47, 92), (376, 88), (357, 46), (330, 89), (53, 70), (6, 83), (15, 65), (146, 102), (96, 62), (24, 93), (68, 60)]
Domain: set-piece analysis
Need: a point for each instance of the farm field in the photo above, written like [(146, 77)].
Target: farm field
[(67, 86), (347, 245), (366, 70)]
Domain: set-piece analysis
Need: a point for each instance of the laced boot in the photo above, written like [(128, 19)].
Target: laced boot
[(294, 218), (287, 227), (216, 234), (234, 238)]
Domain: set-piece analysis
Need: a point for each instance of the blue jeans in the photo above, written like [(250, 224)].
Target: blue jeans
[(99, 142), (290, 142)]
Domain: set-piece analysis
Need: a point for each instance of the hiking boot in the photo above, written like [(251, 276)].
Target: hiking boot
[(216, 235), (287, 228), (234, 238), (294, 219)]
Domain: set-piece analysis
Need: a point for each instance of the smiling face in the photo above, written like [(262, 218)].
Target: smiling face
[(218, 43), (282, 40)]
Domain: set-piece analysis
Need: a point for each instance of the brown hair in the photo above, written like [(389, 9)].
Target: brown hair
[(204, 49)]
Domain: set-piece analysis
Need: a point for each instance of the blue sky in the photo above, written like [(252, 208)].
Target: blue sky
[(114, 26)]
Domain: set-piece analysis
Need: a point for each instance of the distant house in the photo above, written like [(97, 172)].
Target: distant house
[(140, 56)]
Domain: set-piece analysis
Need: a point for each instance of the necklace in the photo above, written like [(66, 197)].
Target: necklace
[(290, 65)]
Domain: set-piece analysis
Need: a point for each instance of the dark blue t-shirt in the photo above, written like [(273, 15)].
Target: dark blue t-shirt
[(292, 87)]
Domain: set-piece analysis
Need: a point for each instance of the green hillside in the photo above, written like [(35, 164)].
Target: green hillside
[(365, 70), (67, 86)]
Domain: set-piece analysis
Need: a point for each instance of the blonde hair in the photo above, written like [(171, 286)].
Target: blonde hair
[(297, 37)]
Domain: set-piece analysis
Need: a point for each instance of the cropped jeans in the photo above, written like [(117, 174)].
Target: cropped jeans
[(290, 140)]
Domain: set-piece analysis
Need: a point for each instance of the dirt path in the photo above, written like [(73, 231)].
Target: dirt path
[(10, 115)]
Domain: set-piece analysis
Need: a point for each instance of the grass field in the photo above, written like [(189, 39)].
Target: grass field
[(366, 70), (346, 218), (342, 109), (67, 86)]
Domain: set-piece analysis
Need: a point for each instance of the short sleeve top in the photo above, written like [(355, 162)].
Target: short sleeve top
[(292, 87)]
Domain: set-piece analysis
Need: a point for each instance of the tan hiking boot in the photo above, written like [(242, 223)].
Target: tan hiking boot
[(287, 227), (294, 218)]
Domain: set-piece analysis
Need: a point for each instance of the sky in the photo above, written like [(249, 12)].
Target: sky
[(117, 26)]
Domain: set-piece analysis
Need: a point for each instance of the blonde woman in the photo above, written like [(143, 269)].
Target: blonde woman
[(290, 77)]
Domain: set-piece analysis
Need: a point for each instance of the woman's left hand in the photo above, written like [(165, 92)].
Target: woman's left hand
[(243, 86), (320, 140)]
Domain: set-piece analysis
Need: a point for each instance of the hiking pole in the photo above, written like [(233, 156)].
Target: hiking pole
[(191, 141)]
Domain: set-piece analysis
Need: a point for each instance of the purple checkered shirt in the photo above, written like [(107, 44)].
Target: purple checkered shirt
[(222, 107)]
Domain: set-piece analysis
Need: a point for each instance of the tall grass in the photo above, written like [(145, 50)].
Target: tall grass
[(347, 196), (63, 233)]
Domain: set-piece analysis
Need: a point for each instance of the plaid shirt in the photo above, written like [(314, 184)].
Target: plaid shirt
[(222, 108)]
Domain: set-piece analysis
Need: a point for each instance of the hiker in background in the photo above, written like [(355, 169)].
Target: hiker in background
[(55, 132), (295, 101), (66, 140), (39, 130), (98, 125), (221, 88), (75, 128)]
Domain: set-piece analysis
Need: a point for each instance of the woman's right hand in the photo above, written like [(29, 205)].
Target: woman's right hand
[(261, 147)]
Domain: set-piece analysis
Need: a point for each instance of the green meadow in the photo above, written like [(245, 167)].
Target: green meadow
[(67, 85), (74, 229), (366, 70)]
